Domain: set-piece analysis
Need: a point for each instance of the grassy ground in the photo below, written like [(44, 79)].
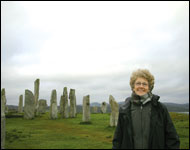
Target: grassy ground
[(42, 133), (181, 122)]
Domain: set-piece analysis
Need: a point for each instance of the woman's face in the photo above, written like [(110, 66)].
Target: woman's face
[(141, 86)]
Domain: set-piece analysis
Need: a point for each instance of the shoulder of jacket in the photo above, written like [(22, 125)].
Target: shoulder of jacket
[(123, 108), (157, 103), (163, 106)]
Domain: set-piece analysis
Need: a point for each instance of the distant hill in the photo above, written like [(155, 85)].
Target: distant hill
[(172, 107), (95, 104)]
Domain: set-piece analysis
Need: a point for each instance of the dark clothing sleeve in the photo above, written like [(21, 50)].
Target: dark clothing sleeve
[(171, 136), (118, 135)]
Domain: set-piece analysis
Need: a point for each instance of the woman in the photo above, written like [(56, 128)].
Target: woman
[(144, 122)]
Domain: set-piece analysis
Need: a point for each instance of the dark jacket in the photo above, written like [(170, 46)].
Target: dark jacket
[(162, 134), (140, 115)]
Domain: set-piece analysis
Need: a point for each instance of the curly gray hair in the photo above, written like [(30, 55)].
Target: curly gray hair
[(142, 73)]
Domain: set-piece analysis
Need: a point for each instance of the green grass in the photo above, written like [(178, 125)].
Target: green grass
[(43, 133), (181, 123)]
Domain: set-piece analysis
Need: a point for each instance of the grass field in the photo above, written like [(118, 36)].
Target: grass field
[(43, 133)]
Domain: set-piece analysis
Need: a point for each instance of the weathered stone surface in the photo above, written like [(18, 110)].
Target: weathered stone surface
[(53, 105), (86, 109), (72, 97), (20, 105), (29, 106), (61, 106), (4, 101), (94, 109), (36, 92), (6, 109), (114, 111), (42, 105), (103, 107), (2, 132), (64, 109), (3, 104)]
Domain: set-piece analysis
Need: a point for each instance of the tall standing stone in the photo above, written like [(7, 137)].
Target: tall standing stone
[(114, 111), (61, 106), (64, 109), (42, 105), (36, 92), (3, 104), (4, 100), (103, 107), (6, 109), (72, 97), (29, 106), (53, 105), (86, 109), (20, 105)]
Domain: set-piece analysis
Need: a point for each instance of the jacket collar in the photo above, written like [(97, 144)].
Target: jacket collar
[(141, 100), (155, 100), (126, 106)]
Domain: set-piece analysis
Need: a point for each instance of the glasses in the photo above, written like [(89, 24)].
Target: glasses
[(143, 84)]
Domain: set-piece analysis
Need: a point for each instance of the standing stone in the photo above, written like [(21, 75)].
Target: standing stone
[(95, 109), (61, 106), (36, 92), (3, 104), (64, 109), (4, 100), (114, 111), (72, 97), (20, 105), (29, 106), (103, 107), (6, 109), (42, 105), (86, 109), (53, 105), (75, 105)]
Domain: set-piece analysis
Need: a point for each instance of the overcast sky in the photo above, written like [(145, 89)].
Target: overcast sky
[(93, 47)]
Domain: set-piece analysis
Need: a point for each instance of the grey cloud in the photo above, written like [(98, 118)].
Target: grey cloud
[(170, 84), (18, 35)]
